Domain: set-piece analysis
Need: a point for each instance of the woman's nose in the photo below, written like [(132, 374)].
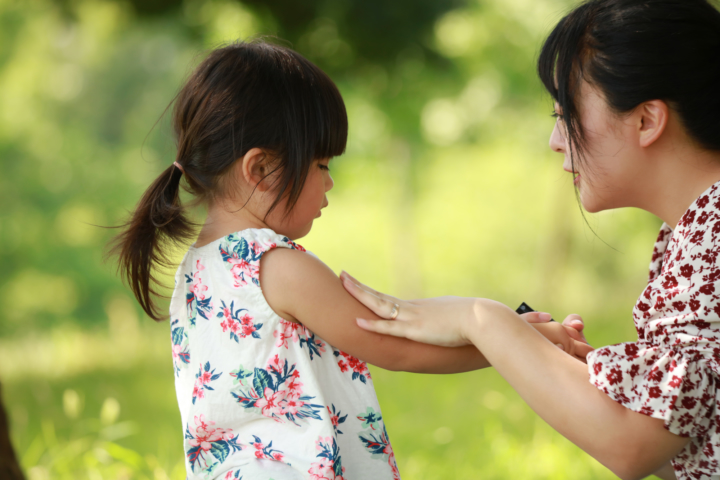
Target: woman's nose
[(557, 139)]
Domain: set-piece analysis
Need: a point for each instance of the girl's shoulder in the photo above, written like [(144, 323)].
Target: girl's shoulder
[(239, 253)]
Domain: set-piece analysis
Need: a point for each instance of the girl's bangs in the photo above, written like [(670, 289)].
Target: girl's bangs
[(331, 124)]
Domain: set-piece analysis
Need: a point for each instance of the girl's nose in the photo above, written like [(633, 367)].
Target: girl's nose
[(329, 183), (557, 139)]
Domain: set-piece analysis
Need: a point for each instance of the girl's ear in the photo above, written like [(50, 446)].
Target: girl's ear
[(255, 167), (653, 121)]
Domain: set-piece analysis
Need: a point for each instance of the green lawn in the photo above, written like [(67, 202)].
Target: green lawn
[(468, 425)]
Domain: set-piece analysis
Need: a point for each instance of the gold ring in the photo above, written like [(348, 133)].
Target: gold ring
[(395, 311)]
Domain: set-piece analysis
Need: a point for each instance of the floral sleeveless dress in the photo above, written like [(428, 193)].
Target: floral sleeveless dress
[(261, 397), (673, 371)]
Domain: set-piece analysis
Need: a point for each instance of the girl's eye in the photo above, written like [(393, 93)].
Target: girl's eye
[(324, 167)]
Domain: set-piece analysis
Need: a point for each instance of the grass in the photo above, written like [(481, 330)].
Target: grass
[(121, 421)]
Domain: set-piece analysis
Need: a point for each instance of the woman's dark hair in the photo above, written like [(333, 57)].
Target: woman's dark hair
[(242, 96), (634, 51)]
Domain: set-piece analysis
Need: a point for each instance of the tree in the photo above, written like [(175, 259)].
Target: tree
[(9, 467)]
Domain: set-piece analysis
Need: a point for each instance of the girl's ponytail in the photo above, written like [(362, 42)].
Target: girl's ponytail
[(158, 218), (241, 96)]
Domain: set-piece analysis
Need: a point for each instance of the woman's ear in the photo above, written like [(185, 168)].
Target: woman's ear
[(255, 167), (653, 121)]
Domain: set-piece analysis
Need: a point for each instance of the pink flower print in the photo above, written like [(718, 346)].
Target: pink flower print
[(176, 349), (197, 303), (322, 470), (198, 392), (238, 322), (266, 452), (274, 364), (294, 386), (358, 367), (202, 381), (208, 442), (329, 466), (204, 433), (259, 450), (196, 285), (257, 249), (292, 406), (276, 392), (270, 404), (336, 418), (241, 267), (286, 331), (377, 442), (180, 347), (297, 332)]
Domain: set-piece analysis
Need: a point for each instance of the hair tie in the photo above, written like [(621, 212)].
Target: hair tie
[(182, 170)]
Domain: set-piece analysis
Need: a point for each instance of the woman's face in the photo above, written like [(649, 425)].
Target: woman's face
[(609, 171)]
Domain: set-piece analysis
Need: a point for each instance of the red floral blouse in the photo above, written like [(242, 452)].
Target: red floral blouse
[(673, 371)]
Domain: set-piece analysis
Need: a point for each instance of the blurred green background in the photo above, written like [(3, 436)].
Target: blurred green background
[(447, 187)]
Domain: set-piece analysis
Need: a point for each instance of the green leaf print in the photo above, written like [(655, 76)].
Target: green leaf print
[(262, 381)]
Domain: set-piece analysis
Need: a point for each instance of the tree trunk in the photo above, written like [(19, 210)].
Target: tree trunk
[(9, 467)]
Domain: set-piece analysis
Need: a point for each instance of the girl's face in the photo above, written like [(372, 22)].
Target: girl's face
[(312, 199), (608, 173)]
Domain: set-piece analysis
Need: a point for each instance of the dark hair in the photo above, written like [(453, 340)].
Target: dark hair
[(635, 51), (242, 96)]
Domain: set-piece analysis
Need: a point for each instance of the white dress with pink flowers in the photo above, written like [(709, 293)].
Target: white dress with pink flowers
[(260, 397)]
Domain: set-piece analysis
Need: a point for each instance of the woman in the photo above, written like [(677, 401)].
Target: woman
[(635, 84)]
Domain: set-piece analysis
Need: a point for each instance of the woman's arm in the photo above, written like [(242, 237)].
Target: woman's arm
[(553, 384), (632, 445), (667, 472), (299, 287)]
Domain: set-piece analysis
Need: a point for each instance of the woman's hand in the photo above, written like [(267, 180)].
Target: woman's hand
[(445, 321), (438, 321)]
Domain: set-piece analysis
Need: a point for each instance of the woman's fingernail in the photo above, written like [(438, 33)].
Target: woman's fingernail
[(576, 322), (545, 316), (361, 322), (560, 346)]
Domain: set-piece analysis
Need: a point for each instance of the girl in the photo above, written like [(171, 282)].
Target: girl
[(265, 345), (635, 84)]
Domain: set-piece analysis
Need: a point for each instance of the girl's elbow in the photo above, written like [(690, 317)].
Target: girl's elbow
[(399, 363)]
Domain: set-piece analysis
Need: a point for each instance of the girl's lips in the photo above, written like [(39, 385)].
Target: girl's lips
[(577, 179)]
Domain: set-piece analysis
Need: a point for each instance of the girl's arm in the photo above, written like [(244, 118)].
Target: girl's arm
[(553, 384), (299, 287)]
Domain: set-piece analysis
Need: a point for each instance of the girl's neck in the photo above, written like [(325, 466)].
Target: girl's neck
[(222, 220)]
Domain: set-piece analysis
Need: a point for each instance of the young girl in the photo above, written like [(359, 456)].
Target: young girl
[(265, 345), (635, 84)]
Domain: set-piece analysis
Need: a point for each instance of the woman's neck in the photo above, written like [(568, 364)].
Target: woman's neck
[(678, 181)]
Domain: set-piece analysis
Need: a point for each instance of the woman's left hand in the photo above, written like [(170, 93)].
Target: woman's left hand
[(442, 322)]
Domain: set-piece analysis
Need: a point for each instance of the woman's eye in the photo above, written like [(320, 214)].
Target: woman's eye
[(554, 114)]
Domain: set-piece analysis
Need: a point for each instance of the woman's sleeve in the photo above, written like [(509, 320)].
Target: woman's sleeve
[(675, 384), (673, 371)]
